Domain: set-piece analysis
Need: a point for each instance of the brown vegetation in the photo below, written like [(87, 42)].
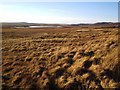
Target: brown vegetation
[(71, 58)]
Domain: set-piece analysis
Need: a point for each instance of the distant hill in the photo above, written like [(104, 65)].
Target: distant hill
[(25, 24), (100, 24), (20, 24)]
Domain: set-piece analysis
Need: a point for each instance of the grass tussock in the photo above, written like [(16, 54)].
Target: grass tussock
[(60, 59)]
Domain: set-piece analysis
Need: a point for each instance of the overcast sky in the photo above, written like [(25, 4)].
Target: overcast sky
[(65, 12)]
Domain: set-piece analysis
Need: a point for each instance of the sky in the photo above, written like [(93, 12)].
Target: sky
[(59, 12)]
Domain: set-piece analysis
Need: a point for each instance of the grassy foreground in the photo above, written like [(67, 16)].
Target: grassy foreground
[(71, 58)]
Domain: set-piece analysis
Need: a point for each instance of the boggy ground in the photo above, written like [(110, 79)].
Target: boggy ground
[(71, 58)]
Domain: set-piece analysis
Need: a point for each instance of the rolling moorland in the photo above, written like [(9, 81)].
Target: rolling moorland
[(72, 57)]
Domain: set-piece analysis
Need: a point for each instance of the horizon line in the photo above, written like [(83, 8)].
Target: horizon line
[(64, 23)]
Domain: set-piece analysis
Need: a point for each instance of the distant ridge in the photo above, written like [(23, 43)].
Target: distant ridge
[(25, 24), (101, 24)]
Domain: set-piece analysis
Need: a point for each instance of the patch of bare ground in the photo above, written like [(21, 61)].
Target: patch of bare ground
[(60, 59)]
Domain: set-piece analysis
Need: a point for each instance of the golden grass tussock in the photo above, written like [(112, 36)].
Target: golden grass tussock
[(60, 58)]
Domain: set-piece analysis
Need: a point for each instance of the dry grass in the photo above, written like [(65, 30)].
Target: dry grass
[(60, 58)]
